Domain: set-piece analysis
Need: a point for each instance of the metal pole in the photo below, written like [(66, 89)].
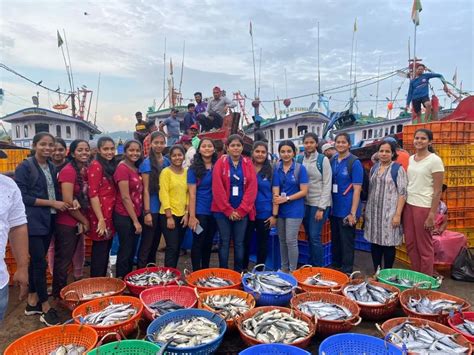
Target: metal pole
[(377, 91), (97, 100), (164, 72), (319, 76)]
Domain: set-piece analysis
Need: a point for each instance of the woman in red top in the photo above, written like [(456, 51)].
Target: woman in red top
[(102, 193), (71, 224), (128, 206)]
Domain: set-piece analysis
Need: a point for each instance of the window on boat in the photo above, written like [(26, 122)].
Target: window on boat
[(41, 127), (58, 131), (290, 132), (282, 133), (370, 133), (386, 131), (364, 134), (17, 129), (302, 130), (68, 131), (380, 132), (399, 128), (392, 129), (25, 131), (318, 130)]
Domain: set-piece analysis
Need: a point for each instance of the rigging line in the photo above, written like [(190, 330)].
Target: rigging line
[(20, 97)]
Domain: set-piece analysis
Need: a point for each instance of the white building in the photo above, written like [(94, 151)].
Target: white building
[(30, 121)]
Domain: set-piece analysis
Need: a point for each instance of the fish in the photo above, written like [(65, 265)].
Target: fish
[(467, 326), (69, 349), (112, 314), (270, 283), (368, 293), (213, 282), (275, 327), (425, 306), (152, 278), (186, 333), (325, 310), (96, 294), (316, 280), (164, 306), (401, 281), (228, 306), (424, 339)]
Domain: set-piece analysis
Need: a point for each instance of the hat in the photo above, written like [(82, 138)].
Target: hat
[(185, 139), (216, 88), (194, 126), (326, 146)]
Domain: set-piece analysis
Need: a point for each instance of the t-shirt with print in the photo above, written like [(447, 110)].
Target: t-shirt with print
[(135, 189), (68, 174), (145, 168)]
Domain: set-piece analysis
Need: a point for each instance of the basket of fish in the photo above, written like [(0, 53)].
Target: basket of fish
[(431, 305), (86, 290), (320, 279), (141, 279), (229, 304), (159, 300), (188, 331), (274, 349), (213, 279), (60, 339), (405, 279), (421, 336), (357, 344), (334, 313), (463, 323), (375, 299), (265, 325), (111, 314)]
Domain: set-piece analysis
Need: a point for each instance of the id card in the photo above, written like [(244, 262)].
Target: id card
[(334, 188), (235, 191)]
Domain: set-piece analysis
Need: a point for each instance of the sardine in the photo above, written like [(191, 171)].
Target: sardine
[(425, 306), (401, 281), (367, 293), (164, 306), (229, 307), (96, 294), (317, 280), (69, 349), (153, 278), (268, 283), (213, 282), (467, 326), (112, 314), (325, 310)]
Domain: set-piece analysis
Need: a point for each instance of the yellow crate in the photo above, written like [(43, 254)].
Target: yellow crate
[(456, 154), (402, 255), (14, 157), (468, 232), (459, 176)]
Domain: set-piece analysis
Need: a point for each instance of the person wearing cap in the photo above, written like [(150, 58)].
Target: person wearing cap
[(216, 110), (140, 128), (186, 142), (172, 126), (193, 132), (328, 150), (189, 118)]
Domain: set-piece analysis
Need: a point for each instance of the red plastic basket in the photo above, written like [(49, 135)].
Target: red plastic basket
[(231, 275), (136, 290), (457, 319)]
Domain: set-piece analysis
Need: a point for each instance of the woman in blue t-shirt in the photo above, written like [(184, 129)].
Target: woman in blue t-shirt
[(264, 219), (201, 219), (150, 171), (290, 186)]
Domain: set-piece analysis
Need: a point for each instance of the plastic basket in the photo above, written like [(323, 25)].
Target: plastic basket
[(423, 280), (231, 275), (326, 274), (126, 347), (182, 295), (274, 349), (46, 340), (360, 243), (136, 290), (356, 344), (457, 319), (182, 314)]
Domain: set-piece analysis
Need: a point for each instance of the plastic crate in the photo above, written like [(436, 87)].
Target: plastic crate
[(402, 255), (459, 197), (326, 233), (360, 242), (443, 132), (469, 233), (459, 176), (460, 218), (456, 154)]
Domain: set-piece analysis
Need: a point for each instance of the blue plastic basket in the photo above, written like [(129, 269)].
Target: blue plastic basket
[(274, 349), (270, 299), (181, 314), (356, 344), (360, 243)]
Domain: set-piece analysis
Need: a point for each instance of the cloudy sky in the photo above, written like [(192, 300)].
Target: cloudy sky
[(124, 40)]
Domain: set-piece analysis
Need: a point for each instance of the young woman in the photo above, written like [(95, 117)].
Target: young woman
[(37, 181), (71, 225), (102, 194), (347, 179), (425, 181), (383, 211), (150, 171), (290, 186), (58, 158), (174, 204), (264, 219), (200, 199), (128, 206), (234, 189), (318, 199)]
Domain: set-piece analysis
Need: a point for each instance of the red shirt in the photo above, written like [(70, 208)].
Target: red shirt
[(135, 189), (100, 186), (147, 145), (68, 174)]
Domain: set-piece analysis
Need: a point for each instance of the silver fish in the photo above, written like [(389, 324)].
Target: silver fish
[(69, 349), (152, 278), (213, 282), (268, 283), (164, 306), (370, 294), (112, 314), (96, 294), (317, 280), (467, 326), (325, 310), (401, 281), (425, 306), (229, 306)]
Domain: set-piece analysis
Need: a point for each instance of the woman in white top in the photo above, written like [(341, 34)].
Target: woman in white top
[(425, 181)]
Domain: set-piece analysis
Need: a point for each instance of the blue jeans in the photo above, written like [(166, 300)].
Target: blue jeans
[(313, 230), (172, 141), (227, 230), (3, 301)]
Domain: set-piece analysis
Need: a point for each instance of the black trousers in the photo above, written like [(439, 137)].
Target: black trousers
[(202, 243), (387, 253), (150, 240), (214, 120), (65, 243), (38, 247), (174, 238), (342, 244), (100, 257), (262, 234), (128, 241)]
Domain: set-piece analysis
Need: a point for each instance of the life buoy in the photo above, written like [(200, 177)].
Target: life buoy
[(60, 106)]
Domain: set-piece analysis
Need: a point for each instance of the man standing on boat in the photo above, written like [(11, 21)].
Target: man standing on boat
[(140, 128), (216, 110), (419, 94), (172, 125)]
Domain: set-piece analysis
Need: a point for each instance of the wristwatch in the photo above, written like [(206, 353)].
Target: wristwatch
[(287, 198), (275, 216)]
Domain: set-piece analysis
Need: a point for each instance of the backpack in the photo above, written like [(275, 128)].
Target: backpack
[(364, 194), (319, 161), (393, 172)]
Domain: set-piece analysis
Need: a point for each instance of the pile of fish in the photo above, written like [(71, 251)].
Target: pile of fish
[(425, 306), (425, 340), (275, 327), (325, 310), (70, 349), (229, 306), (213, 282), (112, 314), (401, 281), (190, 332), (153, 278), (268, 283), (316, 280), (368, 293), (467, 326), (95, 294), (164, 306)]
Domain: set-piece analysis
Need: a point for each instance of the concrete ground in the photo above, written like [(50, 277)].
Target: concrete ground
[(16, 324)]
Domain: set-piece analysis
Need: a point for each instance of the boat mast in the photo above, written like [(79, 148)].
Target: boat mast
[(164, 73), (319, 76), (352, 57), (181, 78), (97, 101)]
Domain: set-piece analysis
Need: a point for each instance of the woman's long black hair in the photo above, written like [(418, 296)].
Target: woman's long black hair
[(266, 171), (108, 166), (198, 165), (156, 167), (82, 197)]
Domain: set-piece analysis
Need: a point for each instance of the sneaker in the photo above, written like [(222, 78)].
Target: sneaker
[(50, 318), (32, 310)]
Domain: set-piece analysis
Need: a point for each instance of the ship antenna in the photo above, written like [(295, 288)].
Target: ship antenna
[(164, 73), (319, 76), (182, 70), (97, 101)]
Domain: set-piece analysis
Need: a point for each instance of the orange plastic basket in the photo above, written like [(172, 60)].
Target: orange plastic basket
[(46, 340), (326, 274), (231, 275), (123, 328)]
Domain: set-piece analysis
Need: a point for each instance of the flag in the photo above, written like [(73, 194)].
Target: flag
[(355, 25), (60, 40), (250, 29), (455, 76), (415, 12)]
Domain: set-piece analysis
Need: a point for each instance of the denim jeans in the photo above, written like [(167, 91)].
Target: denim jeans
[(313, 230), (342, 244), (172, 141), (3, 301), (227, 230)]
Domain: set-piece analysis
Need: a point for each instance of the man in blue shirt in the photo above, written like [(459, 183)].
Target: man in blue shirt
[(418, 93), (172, 125), (189, 118)]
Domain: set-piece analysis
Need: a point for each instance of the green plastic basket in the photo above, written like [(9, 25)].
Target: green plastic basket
[(424, 281), (126, 347)]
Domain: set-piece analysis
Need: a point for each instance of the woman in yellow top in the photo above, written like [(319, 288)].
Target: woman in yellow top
[(174, 200)]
